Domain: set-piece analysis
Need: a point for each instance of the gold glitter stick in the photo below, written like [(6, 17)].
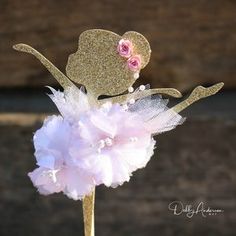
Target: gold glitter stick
[(88, 213), (198, 93), (58, 75)]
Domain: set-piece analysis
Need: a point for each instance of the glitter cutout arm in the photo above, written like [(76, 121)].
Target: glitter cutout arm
[(198, 93), (141, 94), (58, 75)]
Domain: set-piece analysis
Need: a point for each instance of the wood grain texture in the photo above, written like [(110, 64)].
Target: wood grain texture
[(193, 42)]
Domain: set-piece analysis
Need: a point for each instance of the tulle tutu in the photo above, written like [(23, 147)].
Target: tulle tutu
[(88, 145)]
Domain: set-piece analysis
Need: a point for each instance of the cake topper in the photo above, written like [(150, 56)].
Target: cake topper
[(98, 141)]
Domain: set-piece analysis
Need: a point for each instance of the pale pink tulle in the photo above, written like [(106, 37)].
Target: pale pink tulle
[(57, 171), (88, 146)]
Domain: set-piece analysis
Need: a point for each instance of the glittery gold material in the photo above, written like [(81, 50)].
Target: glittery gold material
[(98, 65), (58, 75), (122, 98), (88, 213), (197, 94)]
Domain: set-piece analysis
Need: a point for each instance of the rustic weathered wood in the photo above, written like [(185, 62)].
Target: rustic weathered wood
[(193, 42), (189, 165)]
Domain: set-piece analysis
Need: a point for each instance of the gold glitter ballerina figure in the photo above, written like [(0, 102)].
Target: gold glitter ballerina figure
[(109, 64)]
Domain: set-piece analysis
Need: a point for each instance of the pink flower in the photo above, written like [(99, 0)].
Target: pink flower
[(116, 144), (57, 172), (125, 48), (134, 63), (89, 146)]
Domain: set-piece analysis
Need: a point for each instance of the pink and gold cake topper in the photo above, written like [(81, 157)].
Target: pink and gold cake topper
[(102, 141)]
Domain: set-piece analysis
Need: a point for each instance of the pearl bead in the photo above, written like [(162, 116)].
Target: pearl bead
[(131, 101), (141, 87), (133, 139), (52, 175), (101, 144), (125, 107), (136, 75), (108, 141), (130, 89)]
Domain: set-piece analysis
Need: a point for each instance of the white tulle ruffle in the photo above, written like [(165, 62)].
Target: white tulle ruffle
[(87, 146)]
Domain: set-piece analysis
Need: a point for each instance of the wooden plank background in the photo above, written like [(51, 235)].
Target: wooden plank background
[(193, 42), (188, 168)]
